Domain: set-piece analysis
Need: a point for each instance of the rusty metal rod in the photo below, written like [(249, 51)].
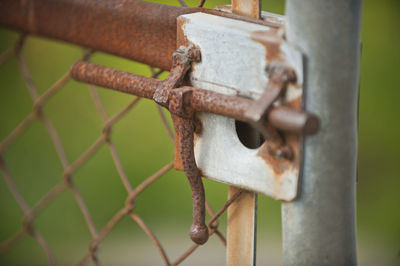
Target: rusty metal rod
[(198, 230), (114, 79), (141, 31), (288, 119), (202, 100)]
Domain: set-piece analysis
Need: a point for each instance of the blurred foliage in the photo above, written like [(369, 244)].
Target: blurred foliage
[(144, 146)]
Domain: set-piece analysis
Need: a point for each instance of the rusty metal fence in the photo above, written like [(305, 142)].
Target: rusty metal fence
[(324, 189), (70, 168)]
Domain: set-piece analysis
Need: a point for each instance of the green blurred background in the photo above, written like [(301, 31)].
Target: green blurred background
[(144, 147)]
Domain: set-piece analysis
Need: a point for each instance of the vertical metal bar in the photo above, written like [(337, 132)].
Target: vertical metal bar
[(319, 227), (241, 234), (242, 214), (248, 8)]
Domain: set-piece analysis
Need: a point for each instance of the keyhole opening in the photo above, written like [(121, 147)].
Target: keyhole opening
[(248, 135)]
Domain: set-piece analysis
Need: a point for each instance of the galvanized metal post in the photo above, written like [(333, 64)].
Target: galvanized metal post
[(319, 226)]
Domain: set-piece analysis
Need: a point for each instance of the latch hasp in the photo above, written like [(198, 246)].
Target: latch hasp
[(234, 62)]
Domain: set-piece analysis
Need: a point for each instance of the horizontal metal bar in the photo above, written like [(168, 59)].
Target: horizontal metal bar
[(144, 32), (201, 101), (140, 31), (291, 120), (115, 79)]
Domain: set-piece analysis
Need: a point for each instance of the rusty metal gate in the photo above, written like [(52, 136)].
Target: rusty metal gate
[(289, 84)]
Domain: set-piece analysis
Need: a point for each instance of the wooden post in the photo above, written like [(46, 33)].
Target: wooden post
[(242, 214)]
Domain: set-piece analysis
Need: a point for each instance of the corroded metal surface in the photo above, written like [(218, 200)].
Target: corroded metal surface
[(279, 76), (201, 100), (185, 127), (115, 79), (179, 104), (141, 31), (182, 60), (198, 230)]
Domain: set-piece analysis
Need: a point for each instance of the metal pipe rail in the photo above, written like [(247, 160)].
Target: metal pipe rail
[(144, 32), (136, 30)]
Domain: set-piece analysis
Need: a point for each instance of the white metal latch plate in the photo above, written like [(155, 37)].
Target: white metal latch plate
[(234, 62)]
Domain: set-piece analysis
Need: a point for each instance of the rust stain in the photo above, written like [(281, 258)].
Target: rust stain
[(295, 103), (282, 152), (271, 40), (268, 152), (294, 140), (181, 38)]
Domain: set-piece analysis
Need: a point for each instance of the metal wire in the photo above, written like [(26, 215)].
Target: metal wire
[(200, 4), (70, 169)]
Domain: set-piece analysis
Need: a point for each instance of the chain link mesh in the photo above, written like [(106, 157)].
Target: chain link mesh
[(70, 169)]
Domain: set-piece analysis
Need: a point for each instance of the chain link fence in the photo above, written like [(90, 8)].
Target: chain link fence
[(70, 168)]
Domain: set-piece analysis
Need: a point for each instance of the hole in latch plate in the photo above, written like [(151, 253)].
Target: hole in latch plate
[(248, 135)]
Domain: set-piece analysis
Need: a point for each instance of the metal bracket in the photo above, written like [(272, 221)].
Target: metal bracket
[(251, 61)]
